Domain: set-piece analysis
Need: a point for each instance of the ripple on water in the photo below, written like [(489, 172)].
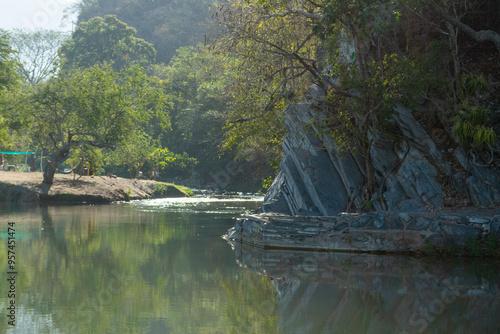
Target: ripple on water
[(198, 204)]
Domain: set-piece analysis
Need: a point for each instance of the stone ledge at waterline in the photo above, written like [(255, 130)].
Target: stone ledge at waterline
[(392, 232)]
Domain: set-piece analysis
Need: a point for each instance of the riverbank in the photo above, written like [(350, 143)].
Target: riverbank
[(28, 187)]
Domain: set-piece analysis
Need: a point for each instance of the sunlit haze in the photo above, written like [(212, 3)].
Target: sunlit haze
[(35, 14)]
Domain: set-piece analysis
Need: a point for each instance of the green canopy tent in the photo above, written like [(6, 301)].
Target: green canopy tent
[(2, 158)]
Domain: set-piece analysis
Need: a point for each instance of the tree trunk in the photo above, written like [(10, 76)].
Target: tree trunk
[(456, 60), (51, 168), (371, 182)]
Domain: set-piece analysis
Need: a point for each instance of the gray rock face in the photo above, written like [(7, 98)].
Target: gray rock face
[(316, 179), (275, 200), (308, 180), (482, 184), (418, 137)]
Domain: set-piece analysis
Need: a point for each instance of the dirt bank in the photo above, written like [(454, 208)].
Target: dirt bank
[(28, 187)]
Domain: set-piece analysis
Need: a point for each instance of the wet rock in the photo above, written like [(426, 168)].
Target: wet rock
[(374, 233)]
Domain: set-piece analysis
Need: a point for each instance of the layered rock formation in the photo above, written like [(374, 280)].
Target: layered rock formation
[(412, 173), (424, 232)]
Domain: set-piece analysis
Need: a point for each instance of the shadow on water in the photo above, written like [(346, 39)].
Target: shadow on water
[(361, 293)]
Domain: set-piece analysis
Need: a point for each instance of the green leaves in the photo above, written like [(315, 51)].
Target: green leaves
[(469, 126), (473, 83), (168, 25), (164, 159), (8, 75), (107, 40), (276, 49), (95, 107)]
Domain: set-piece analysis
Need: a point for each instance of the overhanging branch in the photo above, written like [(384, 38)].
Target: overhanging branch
[(480, 36)]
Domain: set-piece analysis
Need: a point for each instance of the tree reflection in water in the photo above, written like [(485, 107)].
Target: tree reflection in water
[(131, 269)]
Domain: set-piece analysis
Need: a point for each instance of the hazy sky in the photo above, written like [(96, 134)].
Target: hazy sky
[(32, 14)]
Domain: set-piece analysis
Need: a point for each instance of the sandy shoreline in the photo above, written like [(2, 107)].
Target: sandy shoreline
[(28, 187)]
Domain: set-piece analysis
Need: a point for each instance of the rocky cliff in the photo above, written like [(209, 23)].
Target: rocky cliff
[(421, 170)]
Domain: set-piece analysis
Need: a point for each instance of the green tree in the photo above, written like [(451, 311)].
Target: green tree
[(97, 107), (8, 75), (165, 161), (197, 81), (107, 40), (9, 81), (389, 52), (200, 83), (87, 154), (167, 24), (134, 152), (277, 51)]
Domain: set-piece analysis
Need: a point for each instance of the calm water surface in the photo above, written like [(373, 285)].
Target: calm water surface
[(160, 266)]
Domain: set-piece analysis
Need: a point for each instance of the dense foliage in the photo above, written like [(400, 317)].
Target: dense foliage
[(8, 76), (167, 24), (231, 92), (8, 81), (277, 51), (97, 107), (106, 40), (367, 56)]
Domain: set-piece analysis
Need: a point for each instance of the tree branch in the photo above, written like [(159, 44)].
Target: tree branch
[(480, 36)]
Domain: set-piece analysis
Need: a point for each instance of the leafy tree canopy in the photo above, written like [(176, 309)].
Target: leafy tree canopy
[(133, 152), (103, 40), (277, 51), (8, 76), (97, 107), (9, 80), (168, 24), (366, 56)]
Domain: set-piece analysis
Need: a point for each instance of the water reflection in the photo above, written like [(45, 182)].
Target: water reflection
[(120, 269), (365, 293), (161, 267)]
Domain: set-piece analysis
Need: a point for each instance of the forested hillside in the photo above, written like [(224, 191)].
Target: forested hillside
[(188, 109), (167, 24)]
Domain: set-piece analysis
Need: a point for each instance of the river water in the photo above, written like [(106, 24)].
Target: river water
[(161, 266)]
